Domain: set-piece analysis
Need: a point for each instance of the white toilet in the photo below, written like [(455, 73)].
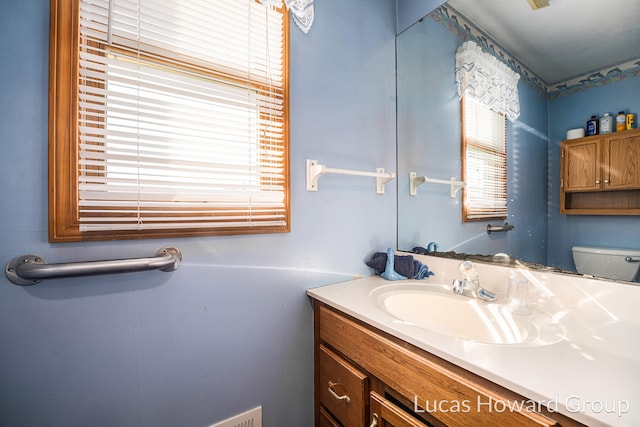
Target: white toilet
[(610, 263)]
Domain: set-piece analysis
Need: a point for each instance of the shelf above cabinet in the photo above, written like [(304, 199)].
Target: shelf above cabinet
[(624, 202)]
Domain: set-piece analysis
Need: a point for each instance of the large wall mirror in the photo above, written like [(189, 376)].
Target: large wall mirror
[(552, 101)]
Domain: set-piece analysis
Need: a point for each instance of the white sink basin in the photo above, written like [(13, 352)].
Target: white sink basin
[(438, 309)]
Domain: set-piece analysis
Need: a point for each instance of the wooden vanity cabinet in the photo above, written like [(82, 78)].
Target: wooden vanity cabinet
[(403, 383), (600, 174)]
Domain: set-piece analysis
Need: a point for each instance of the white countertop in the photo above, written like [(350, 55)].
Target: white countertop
[(593, 375)]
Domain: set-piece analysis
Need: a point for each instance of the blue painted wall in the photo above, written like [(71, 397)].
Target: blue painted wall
[(232, 328), (410, 11), (429, 144), (565, 231)]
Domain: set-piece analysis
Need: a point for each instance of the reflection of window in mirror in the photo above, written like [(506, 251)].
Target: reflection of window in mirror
[(484, 162)]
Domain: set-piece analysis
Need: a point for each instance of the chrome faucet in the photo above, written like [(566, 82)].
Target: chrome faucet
[(470, 284)]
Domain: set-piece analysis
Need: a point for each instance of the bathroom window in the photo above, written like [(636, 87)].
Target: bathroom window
[(484, 162), (168, 118)]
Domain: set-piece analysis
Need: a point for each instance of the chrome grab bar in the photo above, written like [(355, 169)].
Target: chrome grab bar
[(630, 259), (29, 270)]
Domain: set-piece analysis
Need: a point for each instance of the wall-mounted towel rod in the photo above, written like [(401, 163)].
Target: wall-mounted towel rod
[(499, 228), (315, 171), (28, 270), (415, 181)]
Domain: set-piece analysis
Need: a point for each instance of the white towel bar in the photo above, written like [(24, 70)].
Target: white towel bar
[(315, 171), (415, 181)]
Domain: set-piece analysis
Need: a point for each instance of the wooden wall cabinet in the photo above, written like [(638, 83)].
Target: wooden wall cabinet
[(600, 174), (365, 377)]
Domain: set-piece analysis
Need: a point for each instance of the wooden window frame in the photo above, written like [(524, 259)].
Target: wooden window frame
[(64, 223)]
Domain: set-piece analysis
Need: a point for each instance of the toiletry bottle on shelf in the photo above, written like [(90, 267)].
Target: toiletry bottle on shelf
[(631, 118), (592, 126), (621, 121), (606, 123)]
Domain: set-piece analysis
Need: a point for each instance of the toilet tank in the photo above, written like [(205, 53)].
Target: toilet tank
[(610, 263)]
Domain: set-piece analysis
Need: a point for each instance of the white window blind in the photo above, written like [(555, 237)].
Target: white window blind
[(182, 115), (485, 164)]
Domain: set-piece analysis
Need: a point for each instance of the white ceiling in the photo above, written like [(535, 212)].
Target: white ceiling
[(567, 39)]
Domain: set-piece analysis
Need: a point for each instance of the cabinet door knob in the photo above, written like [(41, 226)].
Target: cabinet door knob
[(333, 393), (597, 181), (606, 181)]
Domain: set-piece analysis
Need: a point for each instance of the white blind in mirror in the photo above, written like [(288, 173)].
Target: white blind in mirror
[(485, 170)]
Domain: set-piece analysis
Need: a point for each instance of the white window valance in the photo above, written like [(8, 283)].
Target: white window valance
[(301, 10), (487, 79)]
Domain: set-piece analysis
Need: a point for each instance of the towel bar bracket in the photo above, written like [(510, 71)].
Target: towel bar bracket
[(27, 270), (174, 253), (11, 270)]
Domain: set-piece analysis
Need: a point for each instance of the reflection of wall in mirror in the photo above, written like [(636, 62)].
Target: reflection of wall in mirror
[(429, 144)]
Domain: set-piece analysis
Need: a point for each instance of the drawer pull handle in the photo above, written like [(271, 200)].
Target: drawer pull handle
[(333, 393), (374, 423)]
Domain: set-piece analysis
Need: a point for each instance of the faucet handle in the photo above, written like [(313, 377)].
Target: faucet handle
[(469, 274), (459, 286), (467, 269)]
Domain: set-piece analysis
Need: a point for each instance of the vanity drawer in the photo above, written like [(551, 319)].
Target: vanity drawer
[(343, 389), (326, 420), (384, 412)]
